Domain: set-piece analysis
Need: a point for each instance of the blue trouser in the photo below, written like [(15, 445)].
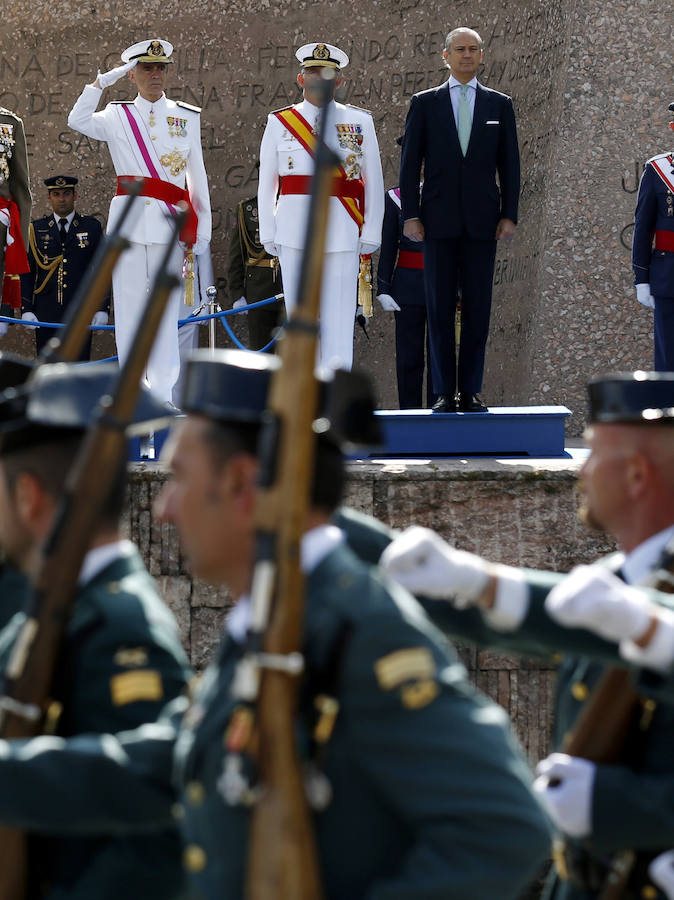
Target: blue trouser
[(450, 263), (663, 335)]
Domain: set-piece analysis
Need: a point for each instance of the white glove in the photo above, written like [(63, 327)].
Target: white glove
[(568, 803), (29, 317), (270, 247), (4, 328), (423, 563), (238, 304), (644, 295), (661, 871), (590, 597), (365, 248), (100, 318), (105, 79), (388, 304)]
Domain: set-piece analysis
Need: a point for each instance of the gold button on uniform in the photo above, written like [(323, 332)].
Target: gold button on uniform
[(195, 793), (147, 202), (178, 811), (194, 858), (648, 892), (579, 690)]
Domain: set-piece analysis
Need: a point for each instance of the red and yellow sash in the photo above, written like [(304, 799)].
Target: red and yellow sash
[(343, 189)]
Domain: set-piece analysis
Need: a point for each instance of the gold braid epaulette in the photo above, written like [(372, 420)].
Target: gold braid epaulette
[(248, 245), (49, 267)]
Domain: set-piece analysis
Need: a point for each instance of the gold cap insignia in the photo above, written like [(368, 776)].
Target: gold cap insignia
[(321, 52), (155, 49)]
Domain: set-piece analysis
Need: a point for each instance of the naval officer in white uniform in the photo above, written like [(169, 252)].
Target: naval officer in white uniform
[(356, 206), (160, 140)]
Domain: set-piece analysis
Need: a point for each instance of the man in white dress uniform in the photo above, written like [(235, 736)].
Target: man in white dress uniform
[(356, 204), (158, 139)]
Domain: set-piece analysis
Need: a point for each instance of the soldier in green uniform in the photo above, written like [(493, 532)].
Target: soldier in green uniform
[(122, 659), (424, 792), (253, 275), (628, 486), (15, 205)]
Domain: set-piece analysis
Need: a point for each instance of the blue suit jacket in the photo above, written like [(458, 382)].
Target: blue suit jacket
[(460, 194), (653, 266)]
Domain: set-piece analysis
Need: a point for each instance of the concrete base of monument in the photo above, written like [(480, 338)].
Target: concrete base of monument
[(533, 431)]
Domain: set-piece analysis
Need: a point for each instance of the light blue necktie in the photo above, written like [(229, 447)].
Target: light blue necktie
[(465, 122)]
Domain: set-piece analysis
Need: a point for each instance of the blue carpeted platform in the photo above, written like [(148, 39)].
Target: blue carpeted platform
[(502, 431)]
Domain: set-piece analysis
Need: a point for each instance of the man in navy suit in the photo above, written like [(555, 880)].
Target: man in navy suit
[(463, 134), (653, 260), (61, 246)]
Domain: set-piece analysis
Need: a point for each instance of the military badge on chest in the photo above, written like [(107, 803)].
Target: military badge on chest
[(6, 145), (351, 138), (177, 127), (670, 203), (82, 239), (174, 161)]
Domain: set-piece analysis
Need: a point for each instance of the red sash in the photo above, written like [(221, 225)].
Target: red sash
[(664, 240), (16, 259), (410, 259), (298, 126), (159, 189)]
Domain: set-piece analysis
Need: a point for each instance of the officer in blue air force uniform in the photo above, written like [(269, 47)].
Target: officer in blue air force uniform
[(61, 246), (653, 251), (418, 787)]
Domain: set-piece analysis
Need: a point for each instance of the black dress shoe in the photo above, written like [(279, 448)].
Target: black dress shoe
[(471, 403), (444, 404)]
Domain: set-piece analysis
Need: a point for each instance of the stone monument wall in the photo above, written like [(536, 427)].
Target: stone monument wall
[(590, 91), (236, 61)]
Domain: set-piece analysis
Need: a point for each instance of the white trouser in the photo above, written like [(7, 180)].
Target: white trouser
[(131, 281), (339, 291)]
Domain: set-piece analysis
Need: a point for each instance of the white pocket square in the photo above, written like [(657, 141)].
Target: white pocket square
[(493, 122)]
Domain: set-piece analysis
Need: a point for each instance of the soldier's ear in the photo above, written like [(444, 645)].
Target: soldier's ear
[(300, 80)]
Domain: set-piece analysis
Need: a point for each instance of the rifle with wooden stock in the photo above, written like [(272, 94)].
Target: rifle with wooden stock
[(283, 860), (602, 727), (25, 695)]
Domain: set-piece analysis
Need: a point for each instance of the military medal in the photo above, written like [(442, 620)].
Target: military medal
[(350, 137), (152, 121), (6, 144), (291, 164), (175, 161), (82, 239), (177, 127), (670, 210)]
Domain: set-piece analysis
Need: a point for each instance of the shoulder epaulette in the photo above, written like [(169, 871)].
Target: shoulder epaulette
[(183, 105), (282, 109), (359, 108), (8, 112), (658, 156)]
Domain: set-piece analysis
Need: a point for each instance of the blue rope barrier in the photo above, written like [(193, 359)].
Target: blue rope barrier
[(190, 320)]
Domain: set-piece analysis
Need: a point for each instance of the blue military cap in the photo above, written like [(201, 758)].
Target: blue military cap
[(60, 181), (636, 398), (63, 398), (232, 386)]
